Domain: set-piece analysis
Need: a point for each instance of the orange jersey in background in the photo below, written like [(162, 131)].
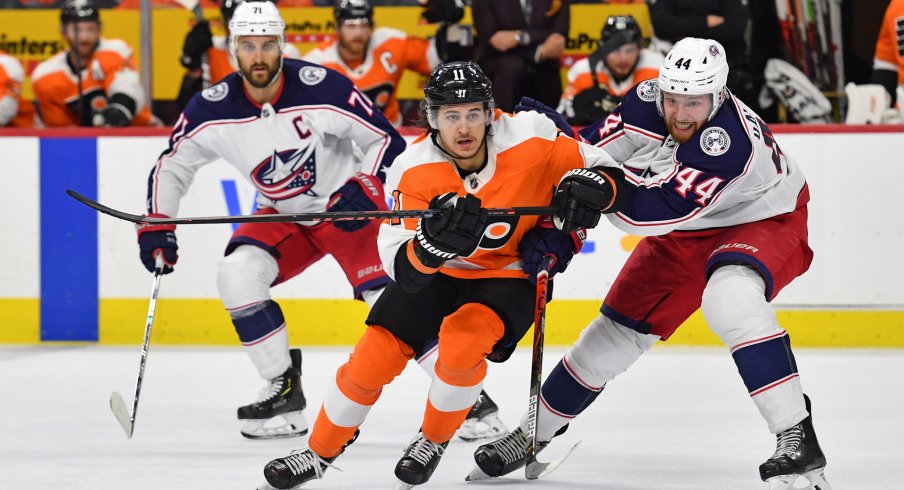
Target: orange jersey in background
[(14, 110), (890, 45), (580, 78), (389, 53), (110, 70)]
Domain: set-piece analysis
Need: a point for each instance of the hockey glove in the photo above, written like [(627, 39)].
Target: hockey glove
[(583, 195), (115, 116), (456, 231), (198, 40), (447, 11), (154, 239), (544, 240), (361, 193), (528, 104)]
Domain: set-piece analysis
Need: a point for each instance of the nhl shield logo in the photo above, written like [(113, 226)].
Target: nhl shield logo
[(647, 90), (312, 75), (714, 141), (216, 93)]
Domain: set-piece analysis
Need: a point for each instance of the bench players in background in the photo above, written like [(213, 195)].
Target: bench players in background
[(453, 277), (725, 214), (293, 128), (14, 110), (220, 62), (597, 83), (94, 82), (376, 57)]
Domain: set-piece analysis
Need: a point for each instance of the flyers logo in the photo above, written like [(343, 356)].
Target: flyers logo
[(498, 232)]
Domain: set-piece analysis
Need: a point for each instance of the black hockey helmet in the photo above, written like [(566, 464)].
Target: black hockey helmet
[(457, 82), (79, 10), (353, 9), (618, 31)]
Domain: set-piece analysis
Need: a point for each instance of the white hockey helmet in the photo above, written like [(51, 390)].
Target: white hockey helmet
[(695, 67), (256, 18)]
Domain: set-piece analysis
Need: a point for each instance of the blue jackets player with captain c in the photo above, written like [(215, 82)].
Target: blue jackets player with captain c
[(724, 215)]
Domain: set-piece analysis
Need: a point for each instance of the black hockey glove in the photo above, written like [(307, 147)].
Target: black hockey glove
[(583, 195), (544, 240), (456, 231), (361, 193), (447, 11), (115, 116), (198, 40), (529, 104), (154, 239)]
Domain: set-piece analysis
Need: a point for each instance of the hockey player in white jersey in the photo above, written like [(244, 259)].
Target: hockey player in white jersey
[(724, 212), (293, 129)]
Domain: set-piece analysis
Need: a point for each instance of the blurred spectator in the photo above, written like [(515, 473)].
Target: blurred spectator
[(888, 65), (94, 82), (722, 20), (519, 45), (597, 83), (207, 58), (14, 110), (375, 58)]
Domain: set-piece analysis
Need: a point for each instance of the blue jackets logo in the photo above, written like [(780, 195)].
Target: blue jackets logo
[(286, 174)]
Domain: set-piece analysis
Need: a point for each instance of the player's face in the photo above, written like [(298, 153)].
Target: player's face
[(259, 59), (462, 128), (88, 33), (622, 60), (354, 34), (685, 114)]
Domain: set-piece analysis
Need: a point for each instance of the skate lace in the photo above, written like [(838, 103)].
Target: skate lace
[(273, 388), (422, 449), (512, 447), (788, 442), (300, 461)]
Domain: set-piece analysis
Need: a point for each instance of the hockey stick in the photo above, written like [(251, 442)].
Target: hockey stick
[(534, 469), (329, 216), (117, 405)]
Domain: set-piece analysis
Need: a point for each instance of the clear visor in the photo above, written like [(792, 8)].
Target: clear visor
[(464, 116)]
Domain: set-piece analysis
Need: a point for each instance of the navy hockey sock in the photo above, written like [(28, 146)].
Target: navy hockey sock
[(267, 318), (764, 363), (565, 394)]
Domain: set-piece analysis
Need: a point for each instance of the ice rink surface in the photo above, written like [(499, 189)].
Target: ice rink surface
[(679, 419)]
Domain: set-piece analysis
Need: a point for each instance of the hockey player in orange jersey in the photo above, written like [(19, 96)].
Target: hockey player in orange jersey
[(618, 64), (94, 82), (457, 275), (375, 58), (888, 65), (14, 110), (200, 42)]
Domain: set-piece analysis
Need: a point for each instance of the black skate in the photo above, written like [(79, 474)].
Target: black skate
[(300, 467), (503, 455), (797, 454), (278, 412), (418, 462), (483, 421)]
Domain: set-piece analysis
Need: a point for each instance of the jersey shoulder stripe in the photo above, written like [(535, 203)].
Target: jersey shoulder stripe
[(382, 35), (639, 112), (11, 66), (117, 46), (51, 65), (511, 130)]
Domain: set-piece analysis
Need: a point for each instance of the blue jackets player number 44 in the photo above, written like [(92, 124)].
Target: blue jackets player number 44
[(316, 134)]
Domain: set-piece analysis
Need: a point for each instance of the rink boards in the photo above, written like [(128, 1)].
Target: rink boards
[(68, 274)]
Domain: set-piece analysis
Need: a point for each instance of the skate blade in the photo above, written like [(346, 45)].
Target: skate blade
[(477, 475), (118, 406), (292, 424), (815, 480), (265, 486), (400, 485), (489, 427), (538, 469)]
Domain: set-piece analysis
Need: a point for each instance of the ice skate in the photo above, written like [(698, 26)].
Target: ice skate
[(797, 454), (418, 462), (278, 411), (502, 456), (483, 421), (299, 467)]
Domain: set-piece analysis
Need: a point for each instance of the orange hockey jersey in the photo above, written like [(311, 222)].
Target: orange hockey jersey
[(14, 110), (580, 78), (110, 71), (890, 45), (526, 158), (389, 53)]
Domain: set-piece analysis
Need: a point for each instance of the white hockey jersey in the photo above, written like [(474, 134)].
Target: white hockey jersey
[(296, 151), (731, 172)]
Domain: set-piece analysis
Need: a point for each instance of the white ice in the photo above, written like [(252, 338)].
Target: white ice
[(679, 419)]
